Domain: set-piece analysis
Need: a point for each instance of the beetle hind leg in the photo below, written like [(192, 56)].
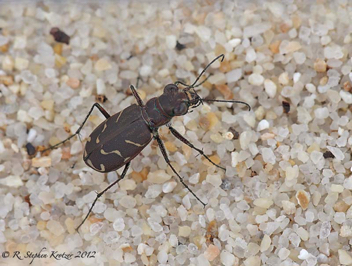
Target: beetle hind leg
[(163, 151), (100, 108), (102, 193)]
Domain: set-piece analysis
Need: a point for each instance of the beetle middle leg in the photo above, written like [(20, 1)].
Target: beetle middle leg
[(102, 192), (163, 151), (185, 141), (100, 108)]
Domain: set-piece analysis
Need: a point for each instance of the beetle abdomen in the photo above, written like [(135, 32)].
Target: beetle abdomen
[(117, 140)]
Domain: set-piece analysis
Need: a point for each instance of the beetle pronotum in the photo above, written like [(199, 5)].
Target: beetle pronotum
[(121, 137)]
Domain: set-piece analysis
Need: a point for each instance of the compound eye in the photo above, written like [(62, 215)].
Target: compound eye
[(171, 88), (182, 109)]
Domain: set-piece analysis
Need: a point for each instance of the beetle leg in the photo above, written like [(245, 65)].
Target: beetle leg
[(101, 193), (138, 80), (135, 94), (163, 151), (100, 108), (185, 141)]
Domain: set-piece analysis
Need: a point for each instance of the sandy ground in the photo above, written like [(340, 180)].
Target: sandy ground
[(285, 198)]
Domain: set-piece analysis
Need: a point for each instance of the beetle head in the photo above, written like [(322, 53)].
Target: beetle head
[(179, 100), (174, 101)]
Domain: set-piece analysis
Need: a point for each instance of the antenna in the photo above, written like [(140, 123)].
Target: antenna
[(227, 101)]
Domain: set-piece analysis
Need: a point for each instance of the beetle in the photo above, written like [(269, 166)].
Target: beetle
[(122, 136)]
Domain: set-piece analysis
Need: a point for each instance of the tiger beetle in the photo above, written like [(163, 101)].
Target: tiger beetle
[(121, 137)]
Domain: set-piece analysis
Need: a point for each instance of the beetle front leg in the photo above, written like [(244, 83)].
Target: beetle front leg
[(135, 94), (163, 151), (101, 193), (100, 108), (137, 83), (185, 141)]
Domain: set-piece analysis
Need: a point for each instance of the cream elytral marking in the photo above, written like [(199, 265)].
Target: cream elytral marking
[(126, 159), (97, 140), (102, 167), (134, 143), (105, 126), (89, 162), (119, 116), (107, 153)]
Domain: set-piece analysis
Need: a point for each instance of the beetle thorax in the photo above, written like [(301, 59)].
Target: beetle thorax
[(154, 114)]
